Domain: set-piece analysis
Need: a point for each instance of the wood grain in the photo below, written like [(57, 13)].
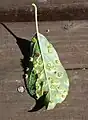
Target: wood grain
[(48, 10)]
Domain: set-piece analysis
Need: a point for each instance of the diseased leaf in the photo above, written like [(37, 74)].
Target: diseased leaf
[(48, 76)]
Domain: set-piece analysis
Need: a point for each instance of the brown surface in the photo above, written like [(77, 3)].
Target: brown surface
[(71, 42), (48, 10), (22, 3)]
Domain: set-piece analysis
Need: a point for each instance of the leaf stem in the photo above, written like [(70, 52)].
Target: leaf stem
[(36, 21)]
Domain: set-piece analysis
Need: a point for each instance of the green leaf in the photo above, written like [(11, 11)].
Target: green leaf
[(48, 76)]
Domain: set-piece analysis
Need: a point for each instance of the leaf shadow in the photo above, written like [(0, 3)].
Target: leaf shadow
[(39, 104), (26, 48)]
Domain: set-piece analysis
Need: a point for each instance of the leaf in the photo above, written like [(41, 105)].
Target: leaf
[(48, 76)]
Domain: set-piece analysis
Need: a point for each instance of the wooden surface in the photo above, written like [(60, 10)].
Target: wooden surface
[(48, 10), (22, 3), (71, 42)]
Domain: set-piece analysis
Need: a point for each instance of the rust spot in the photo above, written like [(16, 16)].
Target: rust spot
[(45, 92), (55, 72), (37, 54), (62, 96), (57, 61)]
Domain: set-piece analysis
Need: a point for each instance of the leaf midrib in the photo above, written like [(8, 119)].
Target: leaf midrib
[(44, 64)]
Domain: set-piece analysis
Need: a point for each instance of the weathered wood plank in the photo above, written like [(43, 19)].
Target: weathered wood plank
[(48, 10), (22, 3), (71, 45)]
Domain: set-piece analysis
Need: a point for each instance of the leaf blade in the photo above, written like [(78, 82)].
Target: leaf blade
[(51, 78)]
